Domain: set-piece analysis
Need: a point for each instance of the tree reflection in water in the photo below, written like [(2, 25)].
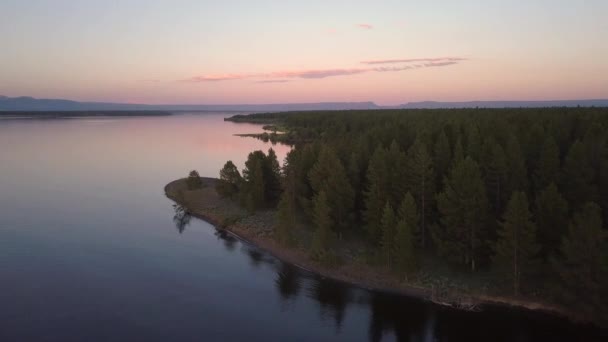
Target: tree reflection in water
[(288, 282), (181, 218), (332, 296), (227, 238)]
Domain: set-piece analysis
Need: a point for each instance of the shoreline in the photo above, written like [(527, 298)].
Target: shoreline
[(355, 274)]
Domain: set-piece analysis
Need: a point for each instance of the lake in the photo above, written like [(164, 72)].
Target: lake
[(89, 250)]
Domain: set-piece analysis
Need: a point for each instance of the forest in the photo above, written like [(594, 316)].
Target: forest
[(518, 195)]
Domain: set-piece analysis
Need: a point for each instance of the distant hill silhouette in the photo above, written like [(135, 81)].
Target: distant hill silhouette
[(507, 104), (26, 103)]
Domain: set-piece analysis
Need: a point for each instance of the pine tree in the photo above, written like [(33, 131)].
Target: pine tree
[(578, 176), (328, 175), (272, 177), (547, 171), (421, 180), (442, 156), (230, 180), (405, 257), (552, 220), (583, 264), (396, 164), (464, 209), (516, 245), (388, 223), (194, 180), (408, 212), (473, 141), (323, 234), (287, 210), (255, 195), (376, 194), (495, 174), (516, 163)]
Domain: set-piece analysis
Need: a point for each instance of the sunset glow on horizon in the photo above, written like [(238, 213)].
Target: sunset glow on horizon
[(389, 52)]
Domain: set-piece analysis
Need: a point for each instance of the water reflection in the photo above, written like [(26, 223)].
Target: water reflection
[(181, 218), (228, 239), (288, 281)]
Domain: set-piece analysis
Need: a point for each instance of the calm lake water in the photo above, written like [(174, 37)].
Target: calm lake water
[(89, 250)]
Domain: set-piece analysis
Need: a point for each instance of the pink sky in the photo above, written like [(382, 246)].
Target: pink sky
[(275, 52)]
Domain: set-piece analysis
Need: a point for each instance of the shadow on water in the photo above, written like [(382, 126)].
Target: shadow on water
[(393, 317)]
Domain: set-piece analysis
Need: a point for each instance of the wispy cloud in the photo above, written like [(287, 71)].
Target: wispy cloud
[(416, 60), (365, 26), (273, 81), (285, 76)]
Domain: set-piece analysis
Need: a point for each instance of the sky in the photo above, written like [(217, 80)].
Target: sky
[(229, 52)]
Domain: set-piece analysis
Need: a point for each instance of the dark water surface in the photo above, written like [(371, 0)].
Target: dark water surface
[(89, 251)]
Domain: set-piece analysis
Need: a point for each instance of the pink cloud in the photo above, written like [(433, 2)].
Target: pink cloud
[(214, 78), (283, 76), (273, 81), (317, 73), (415, 60), (365, 26)]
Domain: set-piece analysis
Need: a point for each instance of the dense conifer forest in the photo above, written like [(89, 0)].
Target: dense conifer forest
[(520, 195)]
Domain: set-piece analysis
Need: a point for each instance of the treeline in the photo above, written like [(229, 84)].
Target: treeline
[(520, 193)]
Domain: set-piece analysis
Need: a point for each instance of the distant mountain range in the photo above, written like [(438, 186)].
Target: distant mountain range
[(507, 104), (26, 103)]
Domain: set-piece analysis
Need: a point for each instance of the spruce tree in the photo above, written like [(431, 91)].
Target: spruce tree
[(388, 223), (583, 266), (495, 174), (328, 175), (323, 234), (464, 210), (230, 180), (516, 163), (408, 212), (286, 215), (551, 215), (442, 155), (548, 165), (516, 246), (422, 184), (405, 256), (272, 177), (376, 194), (577, 176)]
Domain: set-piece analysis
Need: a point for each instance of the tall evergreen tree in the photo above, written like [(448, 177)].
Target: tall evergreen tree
[(272, 177), (323, 234), (516, 163), (464, 209), (421, 180), (442, 155), (495, 174), (376, 194), (230, 180), (552, 220), (408, 212), (577, 176), (396, 164), (548, 165), (516, 246), (583, 265), (328, 175), (388, 223), (287, 209), (405, 256)]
